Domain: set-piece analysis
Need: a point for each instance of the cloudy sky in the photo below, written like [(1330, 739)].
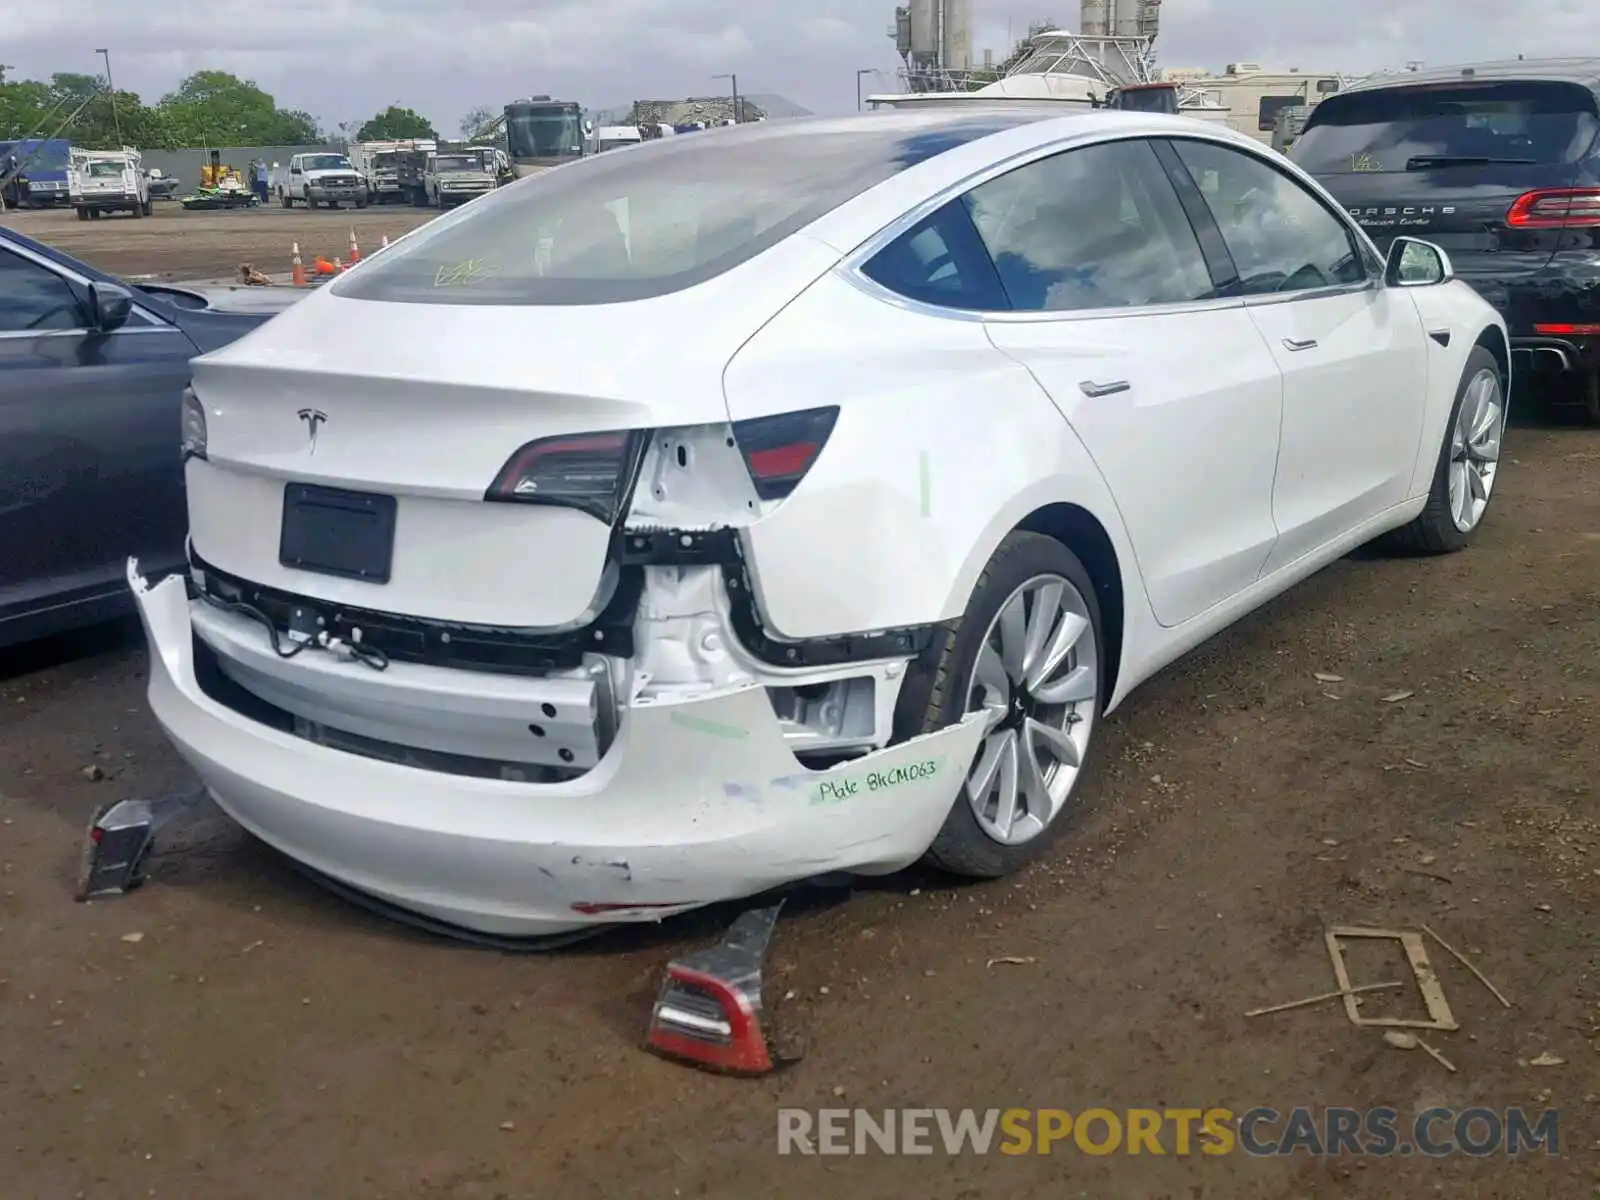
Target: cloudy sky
[(344, 59)]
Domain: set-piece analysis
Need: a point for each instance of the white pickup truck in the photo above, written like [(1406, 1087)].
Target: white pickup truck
[(323, 177), (106, 181)]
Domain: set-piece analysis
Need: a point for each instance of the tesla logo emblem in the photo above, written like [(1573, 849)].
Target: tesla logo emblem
[(313, 419)]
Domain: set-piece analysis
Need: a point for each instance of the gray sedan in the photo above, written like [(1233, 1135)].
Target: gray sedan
[(92, 373)]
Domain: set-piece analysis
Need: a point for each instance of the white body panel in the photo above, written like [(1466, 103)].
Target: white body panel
[(107, 180), (1225, 467)]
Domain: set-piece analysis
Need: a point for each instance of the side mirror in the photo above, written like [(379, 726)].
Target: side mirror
[(110, 306), (1415, 263)]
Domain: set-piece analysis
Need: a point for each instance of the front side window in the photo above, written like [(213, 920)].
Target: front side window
[(1282, 238), (34, 299), (1098, 227)]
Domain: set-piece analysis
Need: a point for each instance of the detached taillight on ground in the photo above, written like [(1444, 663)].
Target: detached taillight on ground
[(780, 450), (1555, 208), (708, 1012), (592, 472)]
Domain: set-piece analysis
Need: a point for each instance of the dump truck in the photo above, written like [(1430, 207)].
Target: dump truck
[(378, 165), (445, 178)]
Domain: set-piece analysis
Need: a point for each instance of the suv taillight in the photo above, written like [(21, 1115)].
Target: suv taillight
[(1555, 208), (592, 472), (778, 451)]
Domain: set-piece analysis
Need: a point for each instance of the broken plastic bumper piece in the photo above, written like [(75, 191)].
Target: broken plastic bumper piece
[(709, 1010), (695, 801)]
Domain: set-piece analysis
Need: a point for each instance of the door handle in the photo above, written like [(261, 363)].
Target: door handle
[(1096, 390), (1292, 344)]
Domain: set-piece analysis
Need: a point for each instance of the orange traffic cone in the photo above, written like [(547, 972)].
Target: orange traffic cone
[(355, 250), (385, 245), (338, 266), (297, 269)]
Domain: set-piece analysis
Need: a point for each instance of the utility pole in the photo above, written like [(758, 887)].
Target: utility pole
[(734, 81), (111, 87)]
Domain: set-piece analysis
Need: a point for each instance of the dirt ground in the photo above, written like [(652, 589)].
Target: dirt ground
[(262, 1039), (176, 245)]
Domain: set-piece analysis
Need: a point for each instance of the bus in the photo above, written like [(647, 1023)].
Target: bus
[(542, 133)]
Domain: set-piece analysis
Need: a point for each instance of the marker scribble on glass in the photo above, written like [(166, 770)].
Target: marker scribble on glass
[(473, 270)]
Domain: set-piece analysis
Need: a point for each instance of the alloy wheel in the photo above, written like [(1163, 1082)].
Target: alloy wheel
[(1475, 449), (1037, 677)]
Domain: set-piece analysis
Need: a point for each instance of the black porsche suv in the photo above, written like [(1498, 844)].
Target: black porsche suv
[(1499, 164)]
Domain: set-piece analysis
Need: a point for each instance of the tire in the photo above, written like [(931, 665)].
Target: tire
[(1591, 397), (145, 209), (362, 203), (83, 214), (942, 685), (1435, 530), (136, 212)]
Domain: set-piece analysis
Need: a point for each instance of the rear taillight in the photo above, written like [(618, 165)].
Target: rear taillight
[(778, 451), (592, 472), (1555, 208), (194, 426)]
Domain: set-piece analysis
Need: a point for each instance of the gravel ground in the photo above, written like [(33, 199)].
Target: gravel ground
[(174, 244), (263, 1039)]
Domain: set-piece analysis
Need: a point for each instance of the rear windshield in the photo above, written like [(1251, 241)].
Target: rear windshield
[(670, 214), (1420, 128)]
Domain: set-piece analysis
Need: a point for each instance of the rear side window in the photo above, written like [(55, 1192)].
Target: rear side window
[(940, 261), (1534, 123), (1098, 227), (667, 215)]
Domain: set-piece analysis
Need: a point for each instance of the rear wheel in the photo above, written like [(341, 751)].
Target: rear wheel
[(83, 214), (145, 209), (1469, 462), (1591, 398), (1027, 655)]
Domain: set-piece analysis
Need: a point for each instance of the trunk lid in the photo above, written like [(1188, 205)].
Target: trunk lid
[(428, 403), (1462, 209)]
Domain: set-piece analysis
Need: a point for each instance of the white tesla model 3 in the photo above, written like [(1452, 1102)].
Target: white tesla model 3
[(786, 499)]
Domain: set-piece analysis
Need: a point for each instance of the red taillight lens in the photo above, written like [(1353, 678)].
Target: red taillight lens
[(1590, 330), (1555, 208), (780, 450), (592, 472)]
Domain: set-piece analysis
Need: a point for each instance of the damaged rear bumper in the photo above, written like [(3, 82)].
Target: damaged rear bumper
[(695, 801)]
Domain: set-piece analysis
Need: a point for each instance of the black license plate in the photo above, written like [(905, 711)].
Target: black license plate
[(335, 532)]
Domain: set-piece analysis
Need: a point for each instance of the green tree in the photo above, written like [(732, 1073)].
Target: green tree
[(215, 108), (476, 119), (395, 122), (23, 107)]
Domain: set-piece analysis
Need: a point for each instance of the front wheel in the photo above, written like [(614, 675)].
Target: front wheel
[(1028, 656), (1469, 463)]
